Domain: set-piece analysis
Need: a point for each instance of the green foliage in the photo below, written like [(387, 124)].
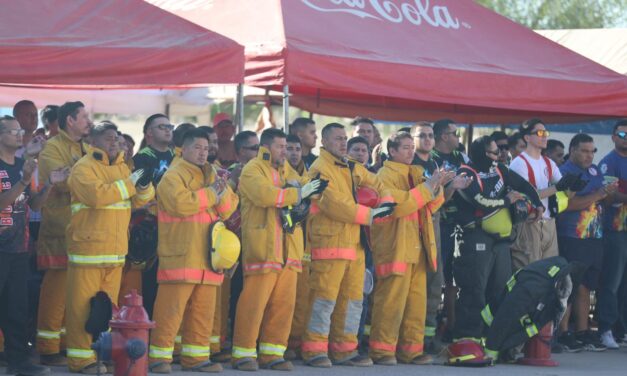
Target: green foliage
[(562, 14)]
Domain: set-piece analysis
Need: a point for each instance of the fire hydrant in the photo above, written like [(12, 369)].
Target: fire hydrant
[(127, 342)]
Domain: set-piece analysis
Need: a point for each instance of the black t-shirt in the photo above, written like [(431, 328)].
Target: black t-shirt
[(452, 162), (429, 165), (309, 159), (153, 162), (14, 218)]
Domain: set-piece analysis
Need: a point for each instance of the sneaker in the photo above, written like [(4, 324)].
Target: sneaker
[(590, 340), (570, 343), (607, 339), (53, 360), (28, 369)]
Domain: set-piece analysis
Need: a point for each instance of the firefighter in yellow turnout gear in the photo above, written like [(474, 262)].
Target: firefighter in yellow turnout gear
[(103, 193), (404, 248), (271, 258), (338, 267), (190, 197), (62, 151)]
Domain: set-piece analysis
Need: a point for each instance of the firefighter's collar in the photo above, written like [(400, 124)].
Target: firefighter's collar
[(103, 158), (342, 162), (397, 166)]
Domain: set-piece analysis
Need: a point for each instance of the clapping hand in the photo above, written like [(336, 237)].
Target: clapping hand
[(35, 146)]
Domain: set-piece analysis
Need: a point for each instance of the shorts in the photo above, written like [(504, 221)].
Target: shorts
[(586, 251)]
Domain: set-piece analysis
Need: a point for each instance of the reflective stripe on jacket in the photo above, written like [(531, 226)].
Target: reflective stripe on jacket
[(102, 197), (186, 210)]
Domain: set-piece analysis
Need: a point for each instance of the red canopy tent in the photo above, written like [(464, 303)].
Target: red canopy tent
[(409, 60), (110, 44)]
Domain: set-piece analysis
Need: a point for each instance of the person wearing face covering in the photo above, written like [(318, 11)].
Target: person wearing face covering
[(482, 264)]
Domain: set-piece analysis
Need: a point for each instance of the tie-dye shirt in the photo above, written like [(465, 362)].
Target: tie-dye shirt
[(615, 215), (586, 223)]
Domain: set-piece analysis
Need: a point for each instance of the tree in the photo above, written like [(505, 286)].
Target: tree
[(562, 14)]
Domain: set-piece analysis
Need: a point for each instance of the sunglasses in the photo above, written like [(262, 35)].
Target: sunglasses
[(15, 132), (541, 133), (503, 147), (424, 136), (622, 135), (252, 147), (165, 127)]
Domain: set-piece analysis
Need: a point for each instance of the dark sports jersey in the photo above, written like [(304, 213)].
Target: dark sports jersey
[(309, 159), (153, 162), (14, 218), (450, 162), (429, 165), (615, 165)]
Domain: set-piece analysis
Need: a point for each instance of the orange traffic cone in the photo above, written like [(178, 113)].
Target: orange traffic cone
[(538, 349)]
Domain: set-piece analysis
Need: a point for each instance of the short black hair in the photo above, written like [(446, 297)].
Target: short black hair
[(128, 138), (440, 127), (268, 136), (299, 124), (579, 138), (179, 133), (49, 114), (293, 139), (3, 119), (68, 109), (23, 102), (329, 127), (100, 128), (356, 140), (361, 119), (552, 144), (420, 124), (513, 140), (240, 139), (619, 123), (405, 129), (527, 126), (498, 135), (150, 119), (395, 140), (193, 134)]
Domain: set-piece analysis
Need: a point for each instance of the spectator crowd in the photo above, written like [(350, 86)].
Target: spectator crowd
[(250, 249)]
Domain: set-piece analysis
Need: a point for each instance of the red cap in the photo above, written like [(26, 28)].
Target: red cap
[(220, 117)]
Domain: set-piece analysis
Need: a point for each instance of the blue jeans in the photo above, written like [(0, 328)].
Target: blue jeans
[(613, 272)]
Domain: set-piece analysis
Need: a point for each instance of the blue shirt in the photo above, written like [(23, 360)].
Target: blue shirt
[(615, 218), (586, 223)]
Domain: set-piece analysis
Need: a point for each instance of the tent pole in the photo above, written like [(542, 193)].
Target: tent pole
[(286, 108), (239, 108)]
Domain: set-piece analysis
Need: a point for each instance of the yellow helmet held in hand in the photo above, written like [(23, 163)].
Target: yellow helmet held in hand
[(224, 247)]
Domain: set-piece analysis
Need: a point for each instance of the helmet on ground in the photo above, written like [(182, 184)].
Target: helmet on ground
[(368, 197), (467, 353), (142, 242), (224, 247)]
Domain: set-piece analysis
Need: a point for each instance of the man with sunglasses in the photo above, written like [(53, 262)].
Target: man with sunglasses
[(154, 159), (614, 166), (446, 156), (580, 237), (502, 143), (538, 239)]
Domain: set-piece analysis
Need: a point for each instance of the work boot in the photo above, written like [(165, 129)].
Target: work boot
[(320, 361), (356, 361), (386, 361), (28, 369), (279, 365), (246, 364), (93, 369), (291, 354), (160, 367), (221, 357), (422, 360), (53, 360), (207, 366)]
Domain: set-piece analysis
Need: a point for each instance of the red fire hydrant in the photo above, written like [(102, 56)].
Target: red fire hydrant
[(127, 343)]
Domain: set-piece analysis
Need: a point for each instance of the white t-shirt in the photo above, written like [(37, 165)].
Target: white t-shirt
[(540, 173)]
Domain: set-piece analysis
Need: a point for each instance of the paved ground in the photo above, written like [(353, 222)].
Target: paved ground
[(585, 363)]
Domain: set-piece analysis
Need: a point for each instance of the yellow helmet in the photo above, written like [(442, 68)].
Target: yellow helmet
[(224, 247)]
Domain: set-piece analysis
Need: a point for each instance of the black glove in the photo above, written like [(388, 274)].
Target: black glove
[(383, 210), (145, 179), (566, 182), (323, 184), (579, 184)]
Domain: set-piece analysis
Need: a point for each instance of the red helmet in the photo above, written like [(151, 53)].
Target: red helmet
[(467, 353), (367, 197)]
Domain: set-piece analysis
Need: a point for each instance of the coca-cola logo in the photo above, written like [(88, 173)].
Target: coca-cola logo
[(416, 12)]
